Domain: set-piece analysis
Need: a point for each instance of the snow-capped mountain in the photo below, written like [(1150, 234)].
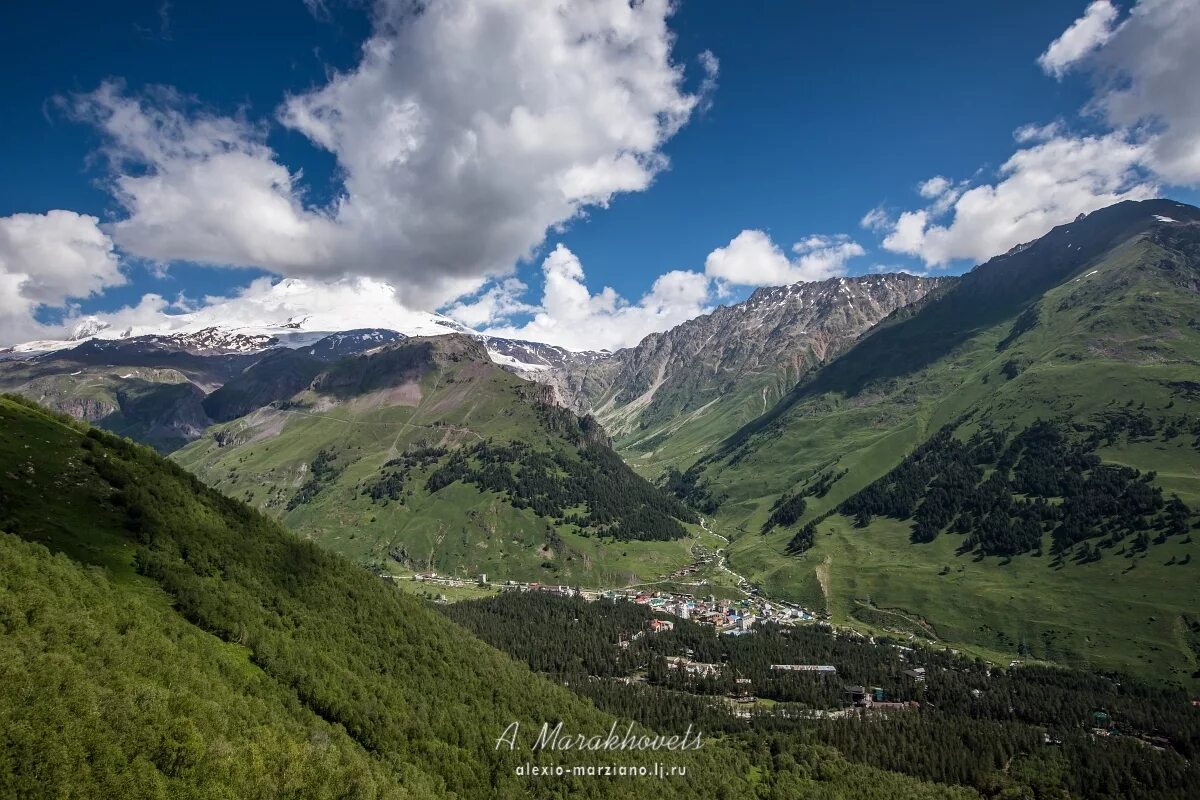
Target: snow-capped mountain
[(289, 313), (530, 358), (346, 343), (216, 341)]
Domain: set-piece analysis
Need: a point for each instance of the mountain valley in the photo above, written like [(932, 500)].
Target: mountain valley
[(819, 427), (1091, 333)]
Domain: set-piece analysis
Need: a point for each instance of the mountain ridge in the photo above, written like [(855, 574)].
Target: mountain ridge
[(424, 454), (679, 391), (875, 488)]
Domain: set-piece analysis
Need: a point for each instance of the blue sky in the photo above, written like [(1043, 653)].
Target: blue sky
[(820, 113)]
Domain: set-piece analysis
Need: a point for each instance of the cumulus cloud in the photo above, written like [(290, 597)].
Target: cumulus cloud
[(46, 260), (1040, 187), (467, 130), (1145, 76), (200, 187), (1085, 35), (876, 219), (934, 187), (271, 305), (820, 257), (752, 259), (498, 303), (571, 316), (943, 192), (1039, 133), (1142, 69)]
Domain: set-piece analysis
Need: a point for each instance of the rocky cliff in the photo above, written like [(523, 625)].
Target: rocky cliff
[(762, 345)]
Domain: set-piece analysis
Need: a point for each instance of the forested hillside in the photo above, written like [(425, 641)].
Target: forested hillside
[(424, 455), (1026, 731), (162, 640), (1011, 467)]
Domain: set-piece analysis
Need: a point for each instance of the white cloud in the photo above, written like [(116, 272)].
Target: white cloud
[(269, 305), (1144, 72), (470, 128), (876, 219), (198, 186), (1039, 133), (1146, 85), (907, 232), (712, 67), (821, 257), (942, 191), (572, 317), (466, 131), (497, 304), (47, 259), (1040, 187), (1086, 34), (934, 187), (752, 259)]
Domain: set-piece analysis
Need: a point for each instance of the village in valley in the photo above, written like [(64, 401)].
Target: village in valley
[(733, 616), (727, 616), (705, 604), (709, 593)]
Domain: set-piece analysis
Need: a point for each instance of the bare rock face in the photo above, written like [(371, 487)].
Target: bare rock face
[(776, 335)]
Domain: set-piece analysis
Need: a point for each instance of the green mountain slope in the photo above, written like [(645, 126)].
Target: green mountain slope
[(424, 455), (1091, 330), (158, 405), (680, 392), (165, 390), (162, 640), (278, 374)]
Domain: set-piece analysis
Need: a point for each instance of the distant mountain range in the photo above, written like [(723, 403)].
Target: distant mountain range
[(752, 353), (159, 389), (229, 327), (679, 392), (937, 457)]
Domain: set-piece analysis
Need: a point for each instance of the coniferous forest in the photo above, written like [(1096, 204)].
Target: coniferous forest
[(594, 489), (1002, 492), (162, 640), (1023, 731)]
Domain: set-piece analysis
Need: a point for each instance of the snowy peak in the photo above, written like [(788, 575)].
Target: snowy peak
[(216, 341), (347, 343), (533, 357), (290, 312), (88, 328)]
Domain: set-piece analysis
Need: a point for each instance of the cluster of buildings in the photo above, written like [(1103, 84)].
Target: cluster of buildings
[(733, 617), (728, 616), (874, 698), (821, 668), (697, 669)]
